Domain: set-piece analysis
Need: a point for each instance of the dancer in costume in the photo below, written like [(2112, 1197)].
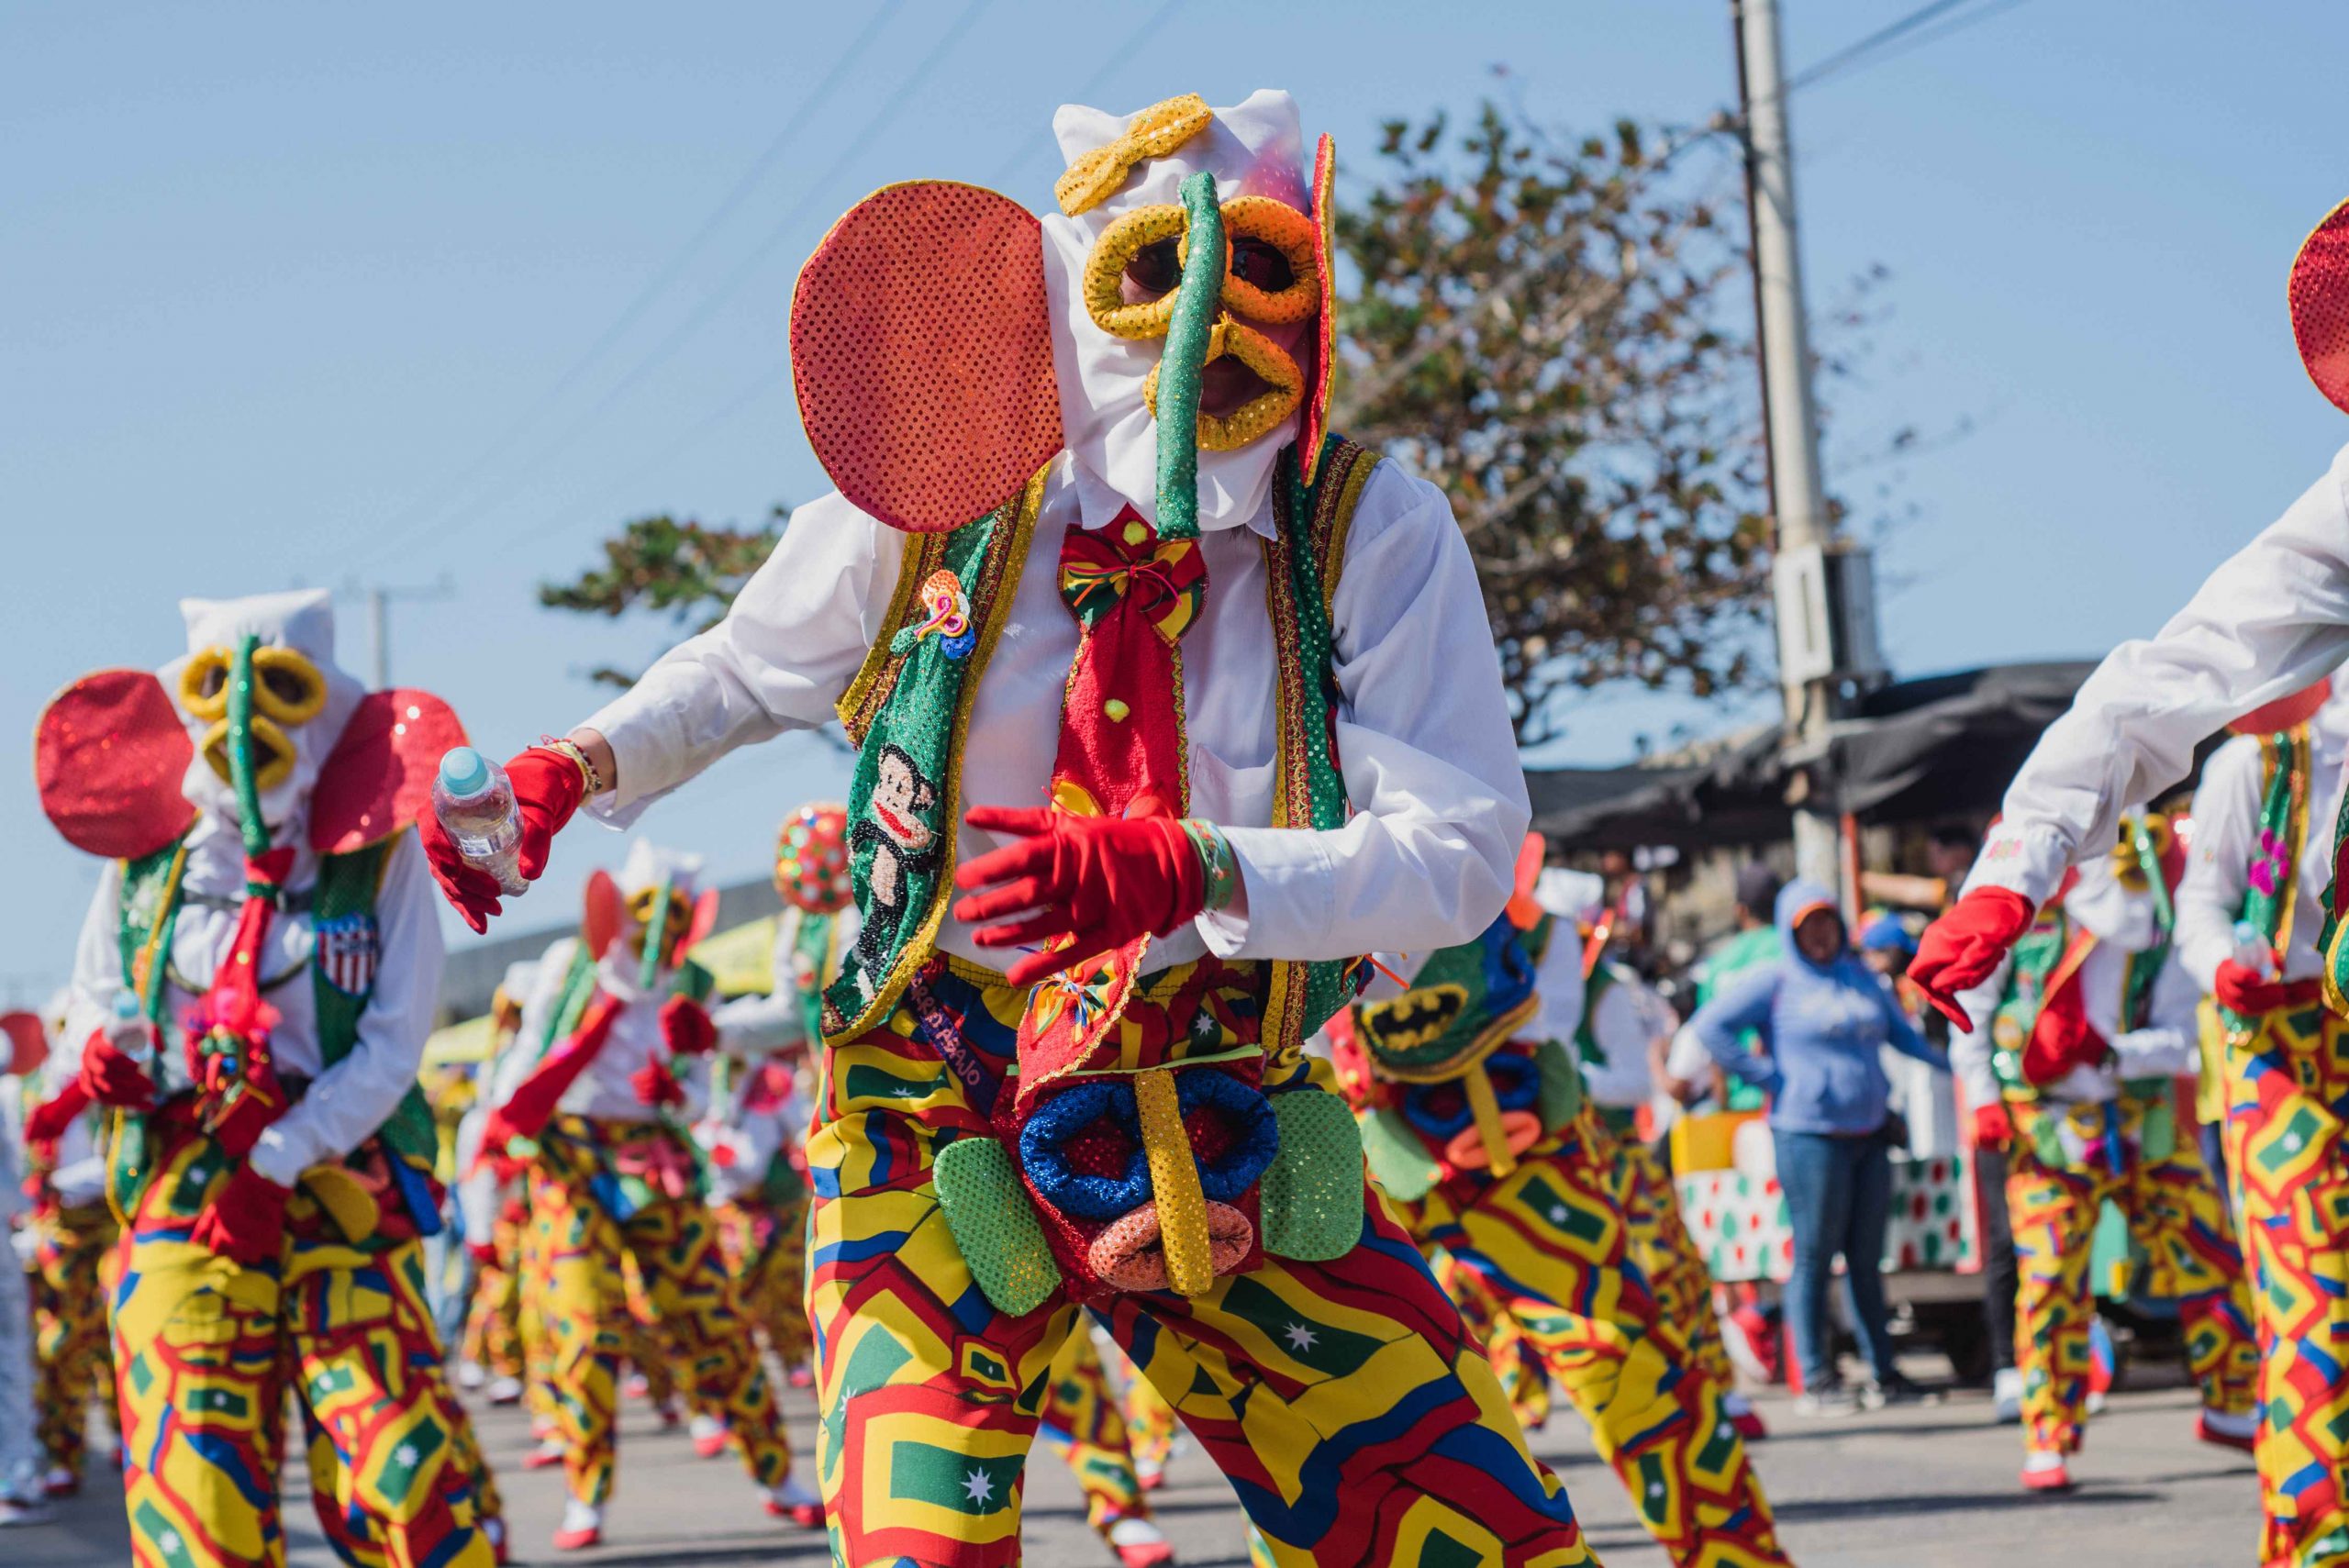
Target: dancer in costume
[(1481, 1132), (592, 1104), (23, 1046), (1621, 1029), (252, 985), (496, 1215), (1103, 618), (2268, 623), (2072, 1069), (758, 1115), (73, 1235)]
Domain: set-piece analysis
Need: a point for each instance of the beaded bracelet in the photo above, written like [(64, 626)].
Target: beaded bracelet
[(566, 748), (1216, 859)]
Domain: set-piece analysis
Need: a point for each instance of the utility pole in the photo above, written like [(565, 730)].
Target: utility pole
[(1822, 585), (379, 597)]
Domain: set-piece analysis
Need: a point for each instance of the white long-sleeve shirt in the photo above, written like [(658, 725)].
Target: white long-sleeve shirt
[(602, 1089), (2226, 833), (1424, 739), (345, 1102), (80, 1177), (2123, 920), (2268, 622)]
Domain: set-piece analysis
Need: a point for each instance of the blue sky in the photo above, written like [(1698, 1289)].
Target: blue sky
[(279, 281)]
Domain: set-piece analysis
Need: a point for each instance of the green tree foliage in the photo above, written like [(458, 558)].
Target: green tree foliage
[(1540, 328), (686, 573)]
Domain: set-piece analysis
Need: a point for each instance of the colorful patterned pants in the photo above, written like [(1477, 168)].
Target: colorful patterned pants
[(2174, 1215), (493, 1321), (531, 1319), (1081, 1423), (1524, 1378), (766, 1246), (1345, 1401), (207, 1352), (72, 1263), (582, 1299), (1667, 1255), (1550, 1248), (2288, 1092), (1152, 1426)]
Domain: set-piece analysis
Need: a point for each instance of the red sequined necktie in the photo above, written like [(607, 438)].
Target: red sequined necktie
[(1122, 747)]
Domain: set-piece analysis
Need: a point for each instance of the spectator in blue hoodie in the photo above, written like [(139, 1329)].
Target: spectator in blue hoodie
[(1823, 1019)]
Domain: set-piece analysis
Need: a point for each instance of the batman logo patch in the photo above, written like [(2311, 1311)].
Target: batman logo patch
[(1411, 1029)]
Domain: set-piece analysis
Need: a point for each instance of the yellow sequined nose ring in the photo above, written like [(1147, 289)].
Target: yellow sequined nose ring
[(1284, 387)]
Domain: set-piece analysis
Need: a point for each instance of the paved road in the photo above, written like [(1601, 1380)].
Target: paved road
[(1926, 1488)]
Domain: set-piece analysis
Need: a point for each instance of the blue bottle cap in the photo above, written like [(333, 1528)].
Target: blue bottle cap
[(463, 771)]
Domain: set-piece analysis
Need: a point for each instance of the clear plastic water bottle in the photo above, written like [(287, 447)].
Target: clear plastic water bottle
[(474, 803), (2251, 951), (130, 1031)]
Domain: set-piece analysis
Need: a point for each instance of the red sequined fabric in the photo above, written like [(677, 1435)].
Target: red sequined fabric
[(2319, 299), (108, 756), (922, 355)]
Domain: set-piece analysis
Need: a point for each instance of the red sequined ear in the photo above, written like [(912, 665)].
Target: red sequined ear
[(378, 778), (1316, 421), (704, 920), (109, 755), (2319, 293), (606, 913), (28, 1042), (921, 352)]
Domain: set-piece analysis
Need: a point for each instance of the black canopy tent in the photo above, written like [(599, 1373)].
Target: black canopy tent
[(1940, 746)]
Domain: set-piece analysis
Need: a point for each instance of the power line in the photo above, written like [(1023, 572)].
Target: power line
[(450, 489), (1859, 49), (779, 373), (692, 324), (1108, 68)]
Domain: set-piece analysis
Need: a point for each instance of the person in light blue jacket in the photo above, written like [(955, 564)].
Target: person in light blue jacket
[(1823, 1019)]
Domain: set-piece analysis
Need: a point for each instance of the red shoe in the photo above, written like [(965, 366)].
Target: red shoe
[(1750, 1425), (2056, 1478), (546, 1456), (807, 1515), (1150, 1556), (800, 1377), (1150, 1480), (2208, 1430), (61, 1483), (710, 1445), (1140, 1543), (582, 1527)]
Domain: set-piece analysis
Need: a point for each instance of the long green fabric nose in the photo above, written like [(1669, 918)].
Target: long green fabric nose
[(1196, 301)]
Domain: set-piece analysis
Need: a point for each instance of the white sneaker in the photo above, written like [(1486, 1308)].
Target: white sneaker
[(61, 1482), (505, 1391), (470, 1375), (790, 1499), (1140, 1543), (2006, 1396), (583, 1526), (15, 1513), (703, 1428)]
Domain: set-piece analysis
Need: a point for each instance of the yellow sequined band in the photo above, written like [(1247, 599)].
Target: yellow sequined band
[(1153, 133), (1174, 1176)]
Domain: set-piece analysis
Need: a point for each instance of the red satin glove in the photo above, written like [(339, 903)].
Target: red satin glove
[(2242, 989), (247, 1221), (1959, 950), (656, 1086), (686, 1028), (1093, 883), (111, 1077), (483, 1253), (547, 788), (49, 1119), (1993, 1128)]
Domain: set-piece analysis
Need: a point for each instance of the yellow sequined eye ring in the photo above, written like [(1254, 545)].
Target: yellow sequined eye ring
[(681, 910), (1104, 267), (288, 686), (204, 683), (1290, 232), (1284, 387), (1153, 133), (272, 752)]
